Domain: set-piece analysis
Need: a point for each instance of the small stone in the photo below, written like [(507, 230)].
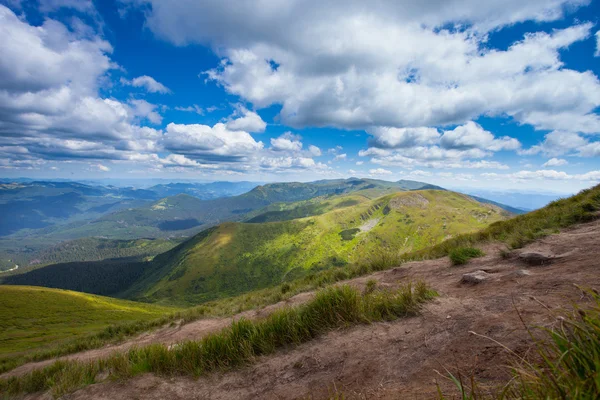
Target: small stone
[(448, 317), (475, 277)]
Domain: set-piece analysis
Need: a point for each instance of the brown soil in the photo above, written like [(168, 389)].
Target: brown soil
[(399, 359)]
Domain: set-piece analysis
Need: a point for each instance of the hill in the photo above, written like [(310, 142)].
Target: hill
[(233, 258), (35, 317)]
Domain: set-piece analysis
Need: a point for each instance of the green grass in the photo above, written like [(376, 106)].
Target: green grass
[(564, 365), (237, 345), (35, 319), (462, 255)]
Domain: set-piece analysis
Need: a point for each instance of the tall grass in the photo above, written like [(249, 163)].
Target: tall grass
[(565, 365), (239, 344)]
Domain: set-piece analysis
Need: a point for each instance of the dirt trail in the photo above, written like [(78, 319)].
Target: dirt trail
[(399, 359)]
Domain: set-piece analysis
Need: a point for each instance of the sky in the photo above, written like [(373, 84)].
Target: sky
[(495, 94)]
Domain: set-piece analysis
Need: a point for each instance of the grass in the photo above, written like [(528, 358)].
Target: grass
[(237, 345), (32, 316), (565, 363), (462, 255)]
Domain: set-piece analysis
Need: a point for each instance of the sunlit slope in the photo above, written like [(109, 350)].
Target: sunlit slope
[(237, 257), (33, 317)]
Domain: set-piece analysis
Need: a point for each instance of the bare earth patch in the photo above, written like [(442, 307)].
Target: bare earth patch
[(398, 359)]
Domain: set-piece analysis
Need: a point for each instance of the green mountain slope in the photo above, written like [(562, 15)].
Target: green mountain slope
[(236, 257), (35, 317)]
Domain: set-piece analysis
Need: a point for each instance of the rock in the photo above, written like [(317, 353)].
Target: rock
[(475, 277), (521, 272), (533, 258)]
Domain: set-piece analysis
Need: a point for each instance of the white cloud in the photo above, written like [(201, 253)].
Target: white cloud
[(380, 171), (340, 157), (597, 53), (102, 168), (148, 83), (314, 151), (286, 142), (249, 121), (387, 137), (143, 109), (206, 143), (558, 143), (471, 135), (462, 147), (555, 162)]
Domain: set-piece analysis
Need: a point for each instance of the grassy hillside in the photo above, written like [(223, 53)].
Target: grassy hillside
[(35, 317), (237, 257)]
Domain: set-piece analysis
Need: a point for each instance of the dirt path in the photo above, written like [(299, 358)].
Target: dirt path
[(399, 359)]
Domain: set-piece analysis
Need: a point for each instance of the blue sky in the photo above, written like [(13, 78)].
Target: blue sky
[(497, 95)]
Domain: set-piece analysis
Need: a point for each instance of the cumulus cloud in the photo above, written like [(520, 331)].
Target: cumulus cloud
[(102, 168), (314, 151), (203, 142), (462, 147), (597, 53), (555, 162), (336, 65), (388, 137), (143, 109), (287, 142), (472, 136), (148, 83), (247, 121), (557, 143)]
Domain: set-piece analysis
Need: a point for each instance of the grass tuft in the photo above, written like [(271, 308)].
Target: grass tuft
[(462, 255)]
